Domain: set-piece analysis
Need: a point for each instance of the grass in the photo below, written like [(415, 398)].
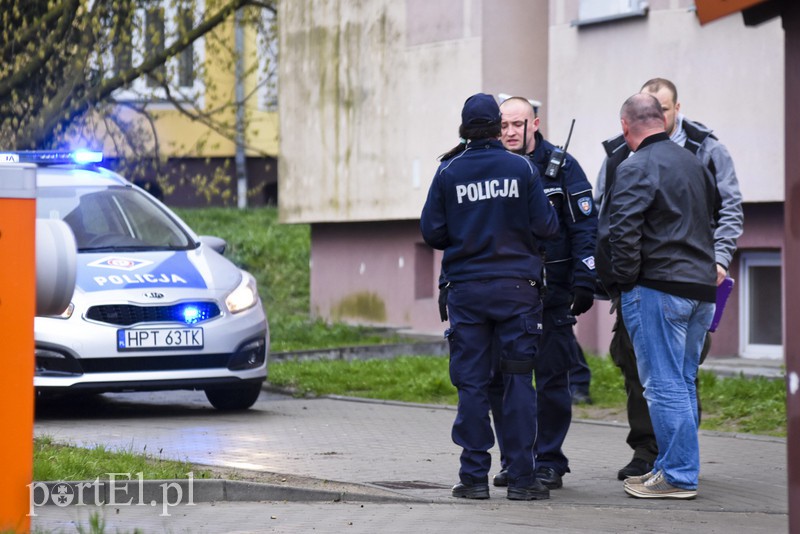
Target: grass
[(54, 461), (278, 256), (756, 406)]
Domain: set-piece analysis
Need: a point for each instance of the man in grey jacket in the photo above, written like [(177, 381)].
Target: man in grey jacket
[(698, 140), (656, 232)]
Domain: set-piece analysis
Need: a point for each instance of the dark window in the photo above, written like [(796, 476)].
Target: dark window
[(154, 43), (186, 58)]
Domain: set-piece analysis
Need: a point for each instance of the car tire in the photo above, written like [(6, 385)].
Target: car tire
[(234, 398)]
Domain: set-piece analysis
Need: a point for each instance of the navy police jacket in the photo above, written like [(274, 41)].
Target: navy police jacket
[(487, 210), (569, 256)]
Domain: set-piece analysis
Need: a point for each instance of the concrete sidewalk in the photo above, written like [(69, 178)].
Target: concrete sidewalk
[(371, 466)]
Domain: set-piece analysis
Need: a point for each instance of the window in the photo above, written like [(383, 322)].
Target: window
[(156, 25), (760, 293), (154, 42), (596, 12), (186, 69)]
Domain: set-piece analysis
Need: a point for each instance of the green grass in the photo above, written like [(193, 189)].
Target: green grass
[(54, 461), (756, 406), (278, 256), (752, 406), (422, 379)]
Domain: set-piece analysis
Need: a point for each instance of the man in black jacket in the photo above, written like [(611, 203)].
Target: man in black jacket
[(701, 142), (656, 251)]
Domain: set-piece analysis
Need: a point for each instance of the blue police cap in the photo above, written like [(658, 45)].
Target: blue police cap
[(480, 109)]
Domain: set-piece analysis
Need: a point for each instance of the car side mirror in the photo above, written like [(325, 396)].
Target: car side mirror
[(216, 243)]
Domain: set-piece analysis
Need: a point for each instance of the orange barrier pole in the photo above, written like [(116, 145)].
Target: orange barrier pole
[(17, 309)]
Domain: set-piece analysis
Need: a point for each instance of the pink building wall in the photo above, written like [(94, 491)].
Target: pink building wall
[(382, 273)]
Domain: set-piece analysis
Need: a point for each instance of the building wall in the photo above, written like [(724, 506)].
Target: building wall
[(728, 77), (371, 94), (361, 131), (379, 274), (723, 73)]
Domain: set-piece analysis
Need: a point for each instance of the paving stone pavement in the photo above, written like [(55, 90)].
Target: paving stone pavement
[(402, 451)]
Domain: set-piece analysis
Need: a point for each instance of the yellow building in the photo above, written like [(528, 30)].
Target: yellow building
[(200, 145)]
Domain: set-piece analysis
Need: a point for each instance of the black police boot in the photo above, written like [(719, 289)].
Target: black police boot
[(535, 492), (549, 477), (471, 491), (637, 467), (500, 479)]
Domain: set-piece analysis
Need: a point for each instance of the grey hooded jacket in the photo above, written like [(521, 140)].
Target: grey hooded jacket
[(699, 140)]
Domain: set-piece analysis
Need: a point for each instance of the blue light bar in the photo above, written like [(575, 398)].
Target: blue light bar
[(52, 157)]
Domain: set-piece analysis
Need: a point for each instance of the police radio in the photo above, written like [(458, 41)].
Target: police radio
[(558, 156)]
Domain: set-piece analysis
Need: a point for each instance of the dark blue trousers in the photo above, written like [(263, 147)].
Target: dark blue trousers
[(557, 350), (508, 313), (580, 375)]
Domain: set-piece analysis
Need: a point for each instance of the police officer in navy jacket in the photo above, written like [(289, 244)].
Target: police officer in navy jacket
[(487, 211), (569, 264)]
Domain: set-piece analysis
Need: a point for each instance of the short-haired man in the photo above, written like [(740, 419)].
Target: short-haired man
[(569, 263), (656, 234), (698, 140)]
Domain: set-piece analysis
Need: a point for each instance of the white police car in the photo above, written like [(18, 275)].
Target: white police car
[(155, 306)]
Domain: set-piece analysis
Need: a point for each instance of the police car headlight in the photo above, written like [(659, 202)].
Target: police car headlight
[(243, 297)]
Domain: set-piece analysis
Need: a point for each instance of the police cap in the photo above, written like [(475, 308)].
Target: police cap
[(480, 109)]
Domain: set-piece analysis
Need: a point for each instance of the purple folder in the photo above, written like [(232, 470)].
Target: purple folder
[(723, 291)]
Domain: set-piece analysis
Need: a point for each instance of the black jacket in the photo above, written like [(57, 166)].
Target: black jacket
[(656, 225)]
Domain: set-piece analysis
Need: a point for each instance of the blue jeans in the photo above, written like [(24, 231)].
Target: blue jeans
[(667, 334)]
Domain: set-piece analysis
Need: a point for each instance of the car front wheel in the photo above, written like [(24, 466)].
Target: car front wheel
[(235, 397)]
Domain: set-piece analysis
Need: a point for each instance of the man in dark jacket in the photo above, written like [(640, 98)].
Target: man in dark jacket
[(656, 229), (487, 211), (700, 141), (569, 263)]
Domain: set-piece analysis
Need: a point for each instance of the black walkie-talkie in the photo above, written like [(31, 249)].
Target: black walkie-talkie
[(558, 156)]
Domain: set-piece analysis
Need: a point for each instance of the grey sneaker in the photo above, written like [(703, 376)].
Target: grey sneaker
[(657, 487), (641, 479)]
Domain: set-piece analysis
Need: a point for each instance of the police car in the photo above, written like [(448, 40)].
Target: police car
[(155, 306)]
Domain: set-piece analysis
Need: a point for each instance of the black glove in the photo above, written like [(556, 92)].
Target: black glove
[(582, 300)]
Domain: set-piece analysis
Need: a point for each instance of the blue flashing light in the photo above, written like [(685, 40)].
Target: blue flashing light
[(82, 157), (52, 157), (191, 314)]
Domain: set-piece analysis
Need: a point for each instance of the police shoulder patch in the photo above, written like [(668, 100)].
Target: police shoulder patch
[(585, 205)]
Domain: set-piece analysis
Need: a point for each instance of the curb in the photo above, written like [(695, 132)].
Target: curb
[(173, 492)]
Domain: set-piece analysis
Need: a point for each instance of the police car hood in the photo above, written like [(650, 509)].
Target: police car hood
[(185, 271)]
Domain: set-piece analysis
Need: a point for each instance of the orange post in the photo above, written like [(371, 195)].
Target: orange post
[(17, 309)]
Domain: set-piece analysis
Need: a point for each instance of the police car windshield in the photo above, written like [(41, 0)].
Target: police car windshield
[(112, 218)]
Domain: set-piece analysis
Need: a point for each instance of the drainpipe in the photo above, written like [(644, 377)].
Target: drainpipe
[(241, 169)]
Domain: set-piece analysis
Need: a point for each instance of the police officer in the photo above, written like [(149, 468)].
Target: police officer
[(570, 288), (487, 211)]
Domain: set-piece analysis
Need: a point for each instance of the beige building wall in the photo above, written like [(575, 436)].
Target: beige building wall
[(371, 95), (728, 77)]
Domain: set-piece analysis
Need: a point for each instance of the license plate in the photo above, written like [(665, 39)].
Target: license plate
[(159, 338)]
